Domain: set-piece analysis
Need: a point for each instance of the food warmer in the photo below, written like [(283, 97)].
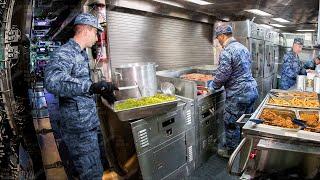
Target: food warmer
[(208, 106), (271, 149)]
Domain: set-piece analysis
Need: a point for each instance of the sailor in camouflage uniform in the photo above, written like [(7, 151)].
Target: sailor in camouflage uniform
[(67, 75), (292, 66), (234, 73)]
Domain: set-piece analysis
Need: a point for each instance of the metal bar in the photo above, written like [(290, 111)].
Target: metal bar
[(318, 33)]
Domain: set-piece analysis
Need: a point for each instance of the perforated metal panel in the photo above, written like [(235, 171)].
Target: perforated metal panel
[(168, 42)]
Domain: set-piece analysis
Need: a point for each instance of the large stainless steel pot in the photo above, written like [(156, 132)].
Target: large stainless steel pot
[(136, 80)]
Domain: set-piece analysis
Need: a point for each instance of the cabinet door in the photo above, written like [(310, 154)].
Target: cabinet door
[(255, 58), (261, 55), (267, 60)]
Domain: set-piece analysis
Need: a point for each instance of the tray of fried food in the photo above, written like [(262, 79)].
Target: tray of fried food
[(279, 101), (298, 102), (311, 119), (304, 102), (303, 94), (278, 117), (197, 77), (283, 93)]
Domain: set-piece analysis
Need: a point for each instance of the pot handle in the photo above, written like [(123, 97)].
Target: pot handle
[(117, 73), (234, 155)]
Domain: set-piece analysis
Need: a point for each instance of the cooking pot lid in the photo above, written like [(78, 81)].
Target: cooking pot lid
[(129, 65)]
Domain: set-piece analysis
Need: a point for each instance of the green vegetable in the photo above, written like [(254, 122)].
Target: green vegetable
[(145, 101)]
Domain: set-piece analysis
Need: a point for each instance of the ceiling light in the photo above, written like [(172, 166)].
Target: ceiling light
[(281, 20), (258, 12), (266, 26), (170, 3), (277, 25), (306, 30), (200, 2)]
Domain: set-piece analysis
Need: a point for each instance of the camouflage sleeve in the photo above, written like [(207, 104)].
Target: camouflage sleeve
[(303, 70), (223, 72), (288, 67), (308, 64), (58, 79)]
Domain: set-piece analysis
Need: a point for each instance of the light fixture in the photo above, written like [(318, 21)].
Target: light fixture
[(306, 30), (265, 26), (258, 12), (200, 2), (170, 3), (281, 20), (277, 25)]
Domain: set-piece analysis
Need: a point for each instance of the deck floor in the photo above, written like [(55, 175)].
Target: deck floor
[(214, 168)]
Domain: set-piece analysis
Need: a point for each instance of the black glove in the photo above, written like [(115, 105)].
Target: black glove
[(110, 98), (102, 87)]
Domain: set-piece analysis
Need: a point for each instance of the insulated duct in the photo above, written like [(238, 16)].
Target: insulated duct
[(318, 32)]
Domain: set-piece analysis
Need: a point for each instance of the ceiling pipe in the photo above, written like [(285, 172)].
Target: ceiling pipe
[(318, 32)]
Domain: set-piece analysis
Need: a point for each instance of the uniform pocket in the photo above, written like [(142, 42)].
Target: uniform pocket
[(69, 116)]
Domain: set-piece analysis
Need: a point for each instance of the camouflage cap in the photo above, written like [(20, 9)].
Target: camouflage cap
[(88, 19), (223, 29), (298, 41)]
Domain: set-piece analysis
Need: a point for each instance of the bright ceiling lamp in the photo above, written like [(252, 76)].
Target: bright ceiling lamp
[(306, 30), (200, 2), (281, 20), (277, 25), (170, 3), (258, 12)]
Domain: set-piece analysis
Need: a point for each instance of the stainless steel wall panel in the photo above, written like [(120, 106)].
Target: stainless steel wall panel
[(168, 42)]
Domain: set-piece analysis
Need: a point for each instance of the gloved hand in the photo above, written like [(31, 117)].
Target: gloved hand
[(110, 98), (102, 87)]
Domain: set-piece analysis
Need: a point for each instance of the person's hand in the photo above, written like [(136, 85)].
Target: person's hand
[(102, 87), (110, 98)]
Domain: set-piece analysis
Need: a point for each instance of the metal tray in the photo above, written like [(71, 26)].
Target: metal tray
[(199, 83), (282, 93), (290, 134), (313, 128), (145, 111), (281, 112), (288, 99)]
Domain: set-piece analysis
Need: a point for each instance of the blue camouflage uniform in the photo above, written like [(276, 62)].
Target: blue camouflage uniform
[(67, 75), (291, 68), (234, 73)]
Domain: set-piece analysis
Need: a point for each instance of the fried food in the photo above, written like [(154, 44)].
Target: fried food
[(295, 102), (309, 102), (197, 77), (303, 94), (311, 118), (278, 118), (278, 101)]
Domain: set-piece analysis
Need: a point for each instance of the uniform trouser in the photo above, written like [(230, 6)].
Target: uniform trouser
[(85, 154), (232, 130)]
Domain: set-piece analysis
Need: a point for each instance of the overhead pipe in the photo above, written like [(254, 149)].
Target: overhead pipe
[(318, 32)]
